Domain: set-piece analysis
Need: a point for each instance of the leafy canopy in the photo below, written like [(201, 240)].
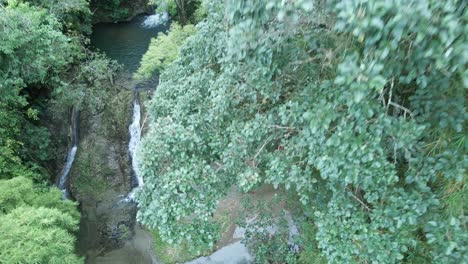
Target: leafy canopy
[(20, 191), (36, 224), (40, 67), (33, 51), (357, 106), (163, 50), (37, 235), (43, 63), (186, 11)]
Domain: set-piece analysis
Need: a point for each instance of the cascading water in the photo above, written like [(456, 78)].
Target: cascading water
[(155, 20), (135, 136), (70, 156), (104, 218)]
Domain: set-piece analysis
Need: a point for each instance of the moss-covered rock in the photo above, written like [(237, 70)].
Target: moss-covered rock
[(101, 176)]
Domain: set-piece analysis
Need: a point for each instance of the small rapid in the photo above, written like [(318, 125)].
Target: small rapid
[(62, 185), (155, 20), (135, 137)]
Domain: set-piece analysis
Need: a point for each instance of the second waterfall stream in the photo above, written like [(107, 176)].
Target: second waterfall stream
[(135, 136), (63, 181)]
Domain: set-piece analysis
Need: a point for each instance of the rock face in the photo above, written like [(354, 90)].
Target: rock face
[(101, 177), (108, 11)]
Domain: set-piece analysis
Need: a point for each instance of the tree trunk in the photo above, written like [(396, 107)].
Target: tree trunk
[(181, 11)]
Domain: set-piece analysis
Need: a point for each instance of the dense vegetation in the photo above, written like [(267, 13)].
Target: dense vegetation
[(36, 224), (356, 108), (352, 110), (163, 50), (185, 11), (116, 10), (45, 70)]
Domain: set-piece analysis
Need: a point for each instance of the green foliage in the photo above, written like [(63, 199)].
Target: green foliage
[(36, 224), (169, 254), (11, 164), (186, 10), (42, 60), (91, 86), (163, 50), (168, 6), (114, 9), (369, 104), (199, 14), (33, 51), (38, 61), (74, 15), (310, 253), (266, 232), (20, 191), (27, 32), (37, 235), (92, 171)]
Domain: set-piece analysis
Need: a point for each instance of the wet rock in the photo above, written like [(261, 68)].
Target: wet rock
[(235, 253), (137, 250), (293, 232), (101, 176)]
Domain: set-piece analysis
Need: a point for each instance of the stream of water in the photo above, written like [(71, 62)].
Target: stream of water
[(63, 181), (126, 43), (135, 136)]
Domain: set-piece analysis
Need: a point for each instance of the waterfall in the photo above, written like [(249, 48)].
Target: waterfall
[(135, 135), (70, 156), (155, 20)]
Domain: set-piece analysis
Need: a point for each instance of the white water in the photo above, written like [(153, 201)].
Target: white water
[(66, 171), (62, 185), (135, 136), (155, 20)]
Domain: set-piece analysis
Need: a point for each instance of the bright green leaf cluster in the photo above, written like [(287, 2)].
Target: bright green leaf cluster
[(37, 235), (163, 50), (36, 225)]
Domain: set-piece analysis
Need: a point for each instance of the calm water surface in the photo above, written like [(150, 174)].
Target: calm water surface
[(125, 42)]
